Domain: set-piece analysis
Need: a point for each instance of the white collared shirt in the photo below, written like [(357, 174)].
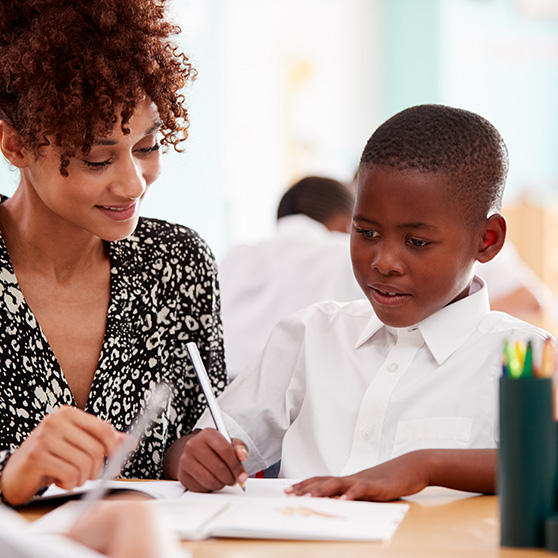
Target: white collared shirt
[(336, 391), (265, 282)]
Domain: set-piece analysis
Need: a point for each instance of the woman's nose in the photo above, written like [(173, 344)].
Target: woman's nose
[(130, 182)]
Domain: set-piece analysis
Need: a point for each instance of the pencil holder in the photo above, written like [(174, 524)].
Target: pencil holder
[(527, 460)]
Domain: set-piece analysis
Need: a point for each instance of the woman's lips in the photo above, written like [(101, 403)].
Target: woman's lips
[(119, 212)]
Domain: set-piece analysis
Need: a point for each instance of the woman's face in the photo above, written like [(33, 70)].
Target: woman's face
[(103, 191)]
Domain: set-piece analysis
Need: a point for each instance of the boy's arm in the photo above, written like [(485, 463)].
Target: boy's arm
[(258, 408), (472, 470)]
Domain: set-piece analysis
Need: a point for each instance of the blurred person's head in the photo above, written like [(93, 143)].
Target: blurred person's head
[(325, 200)]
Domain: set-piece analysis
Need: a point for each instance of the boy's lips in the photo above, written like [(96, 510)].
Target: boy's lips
[(386, 295)]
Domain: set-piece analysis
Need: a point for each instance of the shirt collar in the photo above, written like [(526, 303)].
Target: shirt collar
[(447, 329)]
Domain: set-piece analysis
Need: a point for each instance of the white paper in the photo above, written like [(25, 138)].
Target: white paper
[(155, 489), (255, 488), (301, 518), (265, 511)]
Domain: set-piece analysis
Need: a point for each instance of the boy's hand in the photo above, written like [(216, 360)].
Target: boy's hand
[(67, 448), (208, 462), (473, 470), (394, 479)]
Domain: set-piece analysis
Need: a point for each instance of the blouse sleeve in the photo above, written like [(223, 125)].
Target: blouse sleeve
[(198, 319)]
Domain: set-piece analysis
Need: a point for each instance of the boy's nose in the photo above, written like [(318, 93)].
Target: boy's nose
[(386, 260)]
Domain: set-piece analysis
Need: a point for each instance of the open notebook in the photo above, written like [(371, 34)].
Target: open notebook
[(263, 512)]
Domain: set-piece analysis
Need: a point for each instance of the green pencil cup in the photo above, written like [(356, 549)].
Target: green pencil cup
[(527, 460)]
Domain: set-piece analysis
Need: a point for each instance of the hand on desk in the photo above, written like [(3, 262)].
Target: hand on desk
[(208, 462), (402, 476), (67, 448), (470, 470)]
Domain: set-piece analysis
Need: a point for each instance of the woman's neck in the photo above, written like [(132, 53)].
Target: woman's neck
[(47, 246)]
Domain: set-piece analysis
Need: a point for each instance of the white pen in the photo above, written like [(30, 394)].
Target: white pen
[(209, 395), (160, 398)]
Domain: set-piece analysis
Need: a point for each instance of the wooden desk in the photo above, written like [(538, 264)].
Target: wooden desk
[(440, 523)]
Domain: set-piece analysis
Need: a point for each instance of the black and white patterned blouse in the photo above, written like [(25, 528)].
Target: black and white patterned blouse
[(164, 293)]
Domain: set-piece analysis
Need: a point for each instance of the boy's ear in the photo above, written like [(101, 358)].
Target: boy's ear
[(11, 146), (493, 238)]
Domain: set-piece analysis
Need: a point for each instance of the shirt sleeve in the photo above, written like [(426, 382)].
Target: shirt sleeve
[(263, 401)]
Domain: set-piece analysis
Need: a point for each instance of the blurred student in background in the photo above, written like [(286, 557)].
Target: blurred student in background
[(513, 287), (307, 261)]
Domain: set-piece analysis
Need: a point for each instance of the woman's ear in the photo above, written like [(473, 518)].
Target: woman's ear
[(493, 238), (11, 146)]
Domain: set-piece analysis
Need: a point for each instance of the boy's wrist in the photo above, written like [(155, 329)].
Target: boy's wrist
[(432, 466), (173, 454)]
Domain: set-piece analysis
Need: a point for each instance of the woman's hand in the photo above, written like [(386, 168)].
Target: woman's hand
[(67, 448)]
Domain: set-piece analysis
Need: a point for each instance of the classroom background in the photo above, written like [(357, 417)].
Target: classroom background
[(289, 88)]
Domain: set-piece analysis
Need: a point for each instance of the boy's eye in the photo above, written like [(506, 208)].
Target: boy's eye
[(367, 233), (418, 243)]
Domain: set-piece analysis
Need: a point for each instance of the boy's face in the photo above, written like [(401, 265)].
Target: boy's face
[(411, 250)]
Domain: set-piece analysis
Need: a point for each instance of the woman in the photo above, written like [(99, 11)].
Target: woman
[(96, 303)]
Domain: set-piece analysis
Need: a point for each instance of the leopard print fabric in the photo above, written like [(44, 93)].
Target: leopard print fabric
[(164, 293)]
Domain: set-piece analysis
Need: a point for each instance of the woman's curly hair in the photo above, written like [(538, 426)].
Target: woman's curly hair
[(68, 67)]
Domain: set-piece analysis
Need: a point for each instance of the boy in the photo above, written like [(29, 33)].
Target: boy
[(399, 392)]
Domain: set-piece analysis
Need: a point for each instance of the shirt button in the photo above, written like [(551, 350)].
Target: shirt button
[(367, 433), (393, 367)]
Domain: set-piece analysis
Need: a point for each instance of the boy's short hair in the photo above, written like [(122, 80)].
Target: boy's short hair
[(317, 197), (441, 139)]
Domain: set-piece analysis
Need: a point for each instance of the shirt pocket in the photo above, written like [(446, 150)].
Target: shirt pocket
[(432, 433)]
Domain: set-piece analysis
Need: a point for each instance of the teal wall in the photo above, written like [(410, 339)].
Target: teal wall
[(491, 57), (411, 40)]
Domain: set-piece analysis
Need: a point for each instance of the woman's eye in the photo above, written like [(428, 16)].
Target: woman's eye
[(99, 165), (151, 149)]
